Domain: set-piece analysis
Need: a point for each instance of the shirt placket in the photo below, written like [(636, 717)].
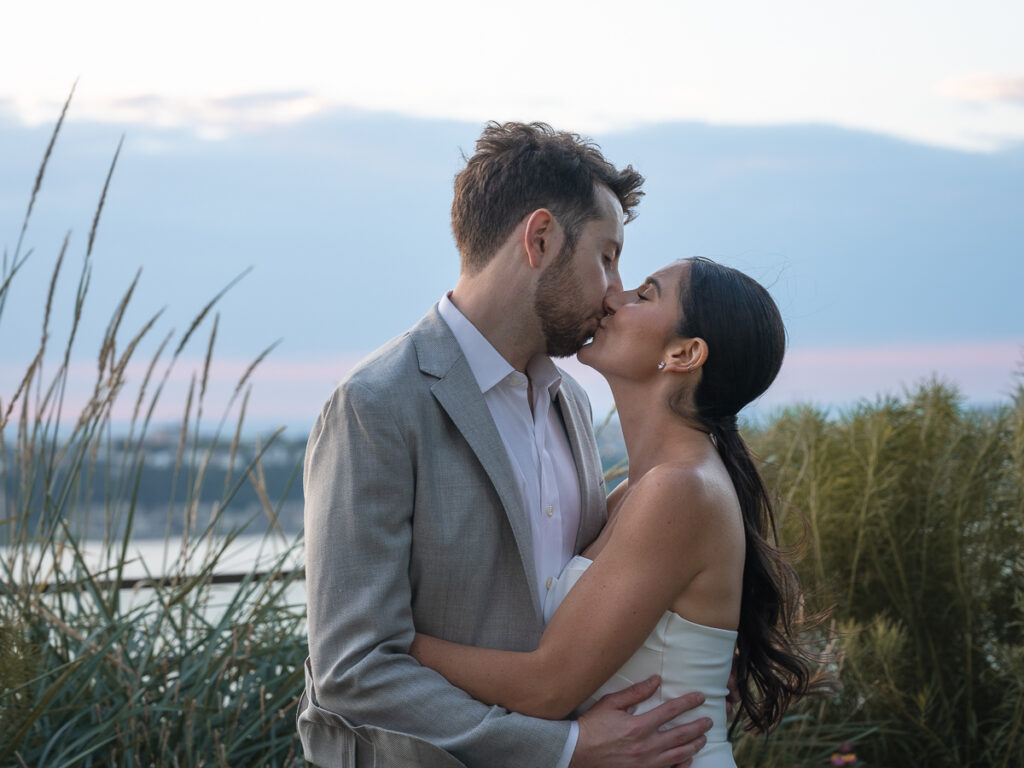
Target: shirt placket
[(549, 517)]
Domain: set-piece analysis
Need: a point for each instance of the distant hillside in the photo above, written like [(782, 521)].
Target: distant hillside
[(345, 218), (868, 243)]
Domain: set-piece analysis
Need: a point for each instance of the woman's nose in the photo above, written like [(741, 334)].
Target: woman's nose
[(613, 300)]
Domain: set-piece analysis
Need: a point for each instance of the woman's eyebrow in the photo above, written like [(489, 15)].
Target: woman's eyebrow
[(654, 281)]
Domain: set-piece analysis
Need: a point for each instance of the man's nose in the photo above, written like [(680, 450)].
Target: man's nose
[(614, 282)]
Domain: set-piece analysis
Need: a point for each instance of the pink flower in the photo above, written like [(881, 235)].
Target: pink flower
[(846, 758)]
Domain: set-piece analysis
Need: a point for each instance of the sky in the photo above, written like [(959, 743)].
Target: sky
[(244, 121), (938, 72)]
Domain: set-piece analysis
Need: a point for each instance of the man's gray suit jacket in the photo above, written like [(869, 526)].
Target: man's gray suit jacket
[(413, 519)]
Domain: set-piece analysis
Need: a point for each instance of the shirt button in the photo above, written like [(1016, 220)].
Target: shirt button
[(548, 584), (549, 510)]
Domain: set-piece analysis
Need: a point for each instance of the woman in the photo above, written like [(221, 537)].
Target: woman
[(683, 571)]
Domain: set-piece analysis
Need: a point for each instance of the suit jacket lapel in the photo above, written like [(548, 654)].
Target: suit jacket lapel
[(457, 391)]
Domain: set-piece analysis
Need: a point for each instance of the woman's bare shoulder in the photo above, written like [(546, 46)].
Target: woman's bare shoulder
[(686, 496), (670, 526)]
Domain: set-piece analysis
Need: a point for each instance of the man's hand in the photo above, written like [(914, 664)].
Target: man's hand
[(610, 737)]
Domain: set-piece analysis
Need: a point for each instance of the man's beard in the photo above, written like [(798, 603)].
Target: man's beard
[(558, 306)]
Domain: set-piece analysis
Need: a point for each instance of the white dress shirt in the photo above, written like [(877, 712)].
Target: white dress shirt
[(535, 440), (538, 449)]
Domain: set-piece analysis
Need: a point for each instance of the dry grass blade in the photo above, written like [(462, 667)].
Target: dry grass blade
[(233, 451), (37, 361), (122, 363), (607, 420), (52, 289), (259, 483), (42, 169), (205, 310), (252, 366), (207, 359), (103, 197), (148, 377), (108, 350), (621, 469), (84, 279), (22, 388), (8, 277), (182, 439)]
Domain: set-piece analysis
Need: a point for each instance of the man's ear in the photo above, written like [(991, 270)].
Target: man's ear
[(686, 355), (542, 238)]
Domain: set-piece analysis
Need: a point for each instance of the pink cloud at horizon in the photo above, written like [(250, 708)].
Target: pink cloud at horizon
[(984, 372), (291, 392), (984, 88)]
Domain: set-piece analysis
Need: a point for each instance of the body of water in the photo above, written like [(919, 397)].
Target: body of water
[(156, 558)]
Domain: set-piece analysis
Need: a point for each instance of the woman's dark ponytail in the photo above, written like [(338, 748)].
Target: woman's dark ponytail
[(743, 330)]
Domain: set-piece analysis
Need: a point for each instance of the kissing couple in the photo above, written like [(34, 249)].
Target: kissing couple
[(474, 599)]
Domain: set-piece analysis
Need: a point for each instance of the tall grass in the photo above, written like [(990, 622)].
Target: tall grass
[(913, 513), (174, 673)]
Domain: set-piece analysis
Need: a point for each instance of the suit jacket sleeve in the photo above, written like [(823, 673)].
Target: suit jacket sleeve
[(359, 489)]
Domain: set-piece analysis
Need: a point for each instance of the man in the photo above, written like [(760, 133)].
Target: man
[(454, 472)]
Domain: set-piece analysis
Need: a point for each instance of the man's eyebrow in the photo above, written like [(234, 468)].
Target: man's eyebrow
[(654, 281)]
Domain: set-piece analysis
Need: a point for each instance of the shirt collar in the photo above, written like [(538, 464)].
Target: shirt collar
[(488, 366), (544, 374)]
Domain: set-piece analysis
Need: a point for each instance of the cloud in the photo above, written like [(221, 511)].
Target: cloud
[(145, 101), (208, 117), (270, 100), (985, 89)]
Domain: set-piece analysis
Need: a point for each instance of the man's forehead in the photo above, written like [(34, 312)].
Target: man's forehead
[(609, 202)]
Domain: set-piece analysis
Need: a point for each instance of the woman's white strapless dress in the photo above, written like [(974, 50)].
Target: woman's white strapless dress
[(689, 657)]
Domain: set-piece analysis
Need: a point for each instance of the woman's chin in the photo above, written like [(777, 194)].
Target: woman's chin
[(587, 356)]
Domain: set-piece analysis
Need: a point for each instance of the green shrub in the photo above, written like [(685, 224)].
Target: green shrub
[(913, 512)]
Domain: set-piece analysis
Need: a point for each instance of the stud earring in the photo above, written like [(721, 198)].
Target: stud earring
[(661, 365)]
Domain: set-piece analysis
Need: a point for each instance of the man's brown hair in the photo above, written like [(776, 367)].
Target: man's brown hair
[(520, 167)]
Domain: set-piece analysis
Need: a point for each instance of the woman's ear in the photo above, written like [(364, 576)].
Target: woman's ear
[(687, 355)]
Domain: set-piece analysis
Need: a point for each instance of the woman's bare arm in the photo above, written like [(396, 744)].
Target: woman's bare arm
[(650, 558)]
